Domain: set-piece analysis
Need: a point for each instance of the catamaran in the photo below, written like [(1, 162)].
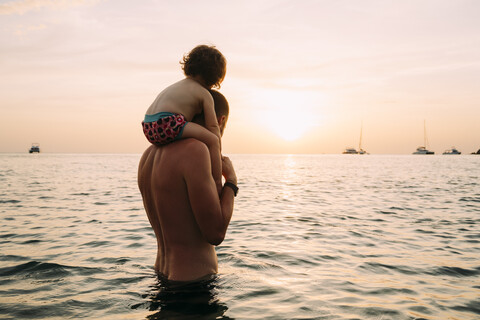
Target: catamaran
[(350, 151), (353, 150), (423, 149), (360, 150)]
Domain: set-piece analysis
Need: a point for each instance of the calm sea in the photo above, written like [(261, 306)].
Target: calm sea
[(312, 237)]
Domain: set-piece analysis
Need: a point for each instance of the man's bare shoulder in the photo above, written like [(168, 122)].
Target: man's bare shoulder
[(183, 150), (147, 154), (190, 150), (188, 157), (185, 157)]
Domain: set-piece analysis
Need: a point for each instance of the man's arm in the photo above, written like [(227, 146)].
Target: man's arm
[(211, 213), (227, 196)]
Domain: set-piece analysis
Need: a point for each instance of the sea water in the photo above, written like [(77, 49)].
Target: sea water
[(312, 237)]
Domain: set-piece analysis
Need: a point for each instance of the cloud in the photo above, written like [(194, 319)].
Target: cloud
[(22, 30), (23, 6)]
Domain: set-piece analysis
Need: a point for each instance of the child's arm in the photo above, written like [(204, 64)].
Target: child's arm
[(211, 122)]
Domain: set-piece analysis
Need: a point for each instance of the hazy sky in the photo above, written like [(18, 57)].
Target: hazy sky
[(78, 75)]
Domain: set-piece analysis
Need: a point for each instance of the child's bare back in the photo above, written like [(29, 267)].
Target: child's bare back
[(186, 97)]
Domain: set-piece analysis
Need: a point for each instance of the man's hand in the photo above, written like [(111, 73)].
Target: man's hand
[(228, 171)]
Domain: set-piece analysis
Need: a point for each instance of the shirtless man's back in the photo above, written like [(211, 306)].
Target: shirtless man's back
[(183, 207)]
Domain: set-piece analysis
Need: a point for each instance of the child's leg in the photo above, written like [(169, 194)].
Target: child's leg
[(196, 131)]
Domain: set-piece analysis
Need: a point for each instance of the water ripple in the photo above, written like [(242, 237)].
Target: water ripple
[(312, 237)]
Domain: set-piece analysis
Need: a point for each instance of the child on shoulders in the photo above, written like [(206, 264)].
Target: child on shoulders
[(168, 118)]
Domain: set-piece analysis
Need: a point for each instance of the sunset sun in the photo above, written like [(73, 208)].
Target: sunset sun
[(288, 126), (289, 114)]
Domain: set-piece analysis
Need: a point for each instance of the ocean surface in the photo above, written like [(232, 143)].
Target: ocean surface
[(312, 237)]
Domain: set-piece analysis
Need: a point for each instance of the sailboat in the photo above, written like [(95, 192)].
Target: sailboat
[(353, 150), (423, 149), (360, 150), (350, 151)]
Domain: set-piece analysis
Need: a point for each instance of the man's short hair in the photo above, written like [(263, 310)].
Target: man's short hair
[(221, 107), (221, 104)]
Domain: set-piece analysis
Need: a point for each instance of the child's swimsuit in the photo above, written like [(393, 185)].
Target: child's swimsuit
[(163, 127)]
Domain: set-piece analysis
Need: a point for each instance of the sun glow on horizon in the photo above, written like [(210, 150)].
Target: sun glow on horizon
[(289, 114), (297, 87)]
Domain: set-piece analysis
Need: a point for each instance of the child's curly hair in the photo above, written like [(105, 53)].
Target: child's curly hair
[(207, 62)]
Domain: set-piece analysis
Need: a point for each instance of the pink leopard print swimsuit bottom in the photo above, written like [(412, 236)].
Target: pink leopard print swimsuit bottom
[(163, 127)]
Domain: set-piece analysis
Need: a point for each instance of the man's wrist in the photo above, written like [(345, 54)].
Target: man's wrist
[(234, 181), (232, 186)]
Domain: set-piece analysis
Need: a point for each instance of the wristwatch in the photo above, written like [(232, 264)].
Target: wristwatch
[(232, 186)]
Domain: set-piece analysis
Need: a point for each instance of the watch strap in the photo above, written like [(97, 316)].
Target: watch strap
[(232, 186)]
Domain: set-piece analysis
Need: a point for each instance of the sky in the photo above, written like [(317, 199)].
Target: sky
[(302, 76)]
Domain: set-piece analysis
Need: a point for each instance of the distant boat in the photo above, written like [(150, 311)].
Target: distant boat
[(35, 148), (452, 151), (478, 152), (350, 151), (360, 150), (423, 149), (353, 150)]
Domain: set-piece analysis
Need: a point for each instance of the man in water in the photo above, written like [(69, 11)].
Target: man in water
[(182, 203)]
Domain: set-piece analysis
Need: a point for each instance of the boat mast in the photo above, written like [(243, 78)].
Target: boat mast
[(360, 143), (425, 139)]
